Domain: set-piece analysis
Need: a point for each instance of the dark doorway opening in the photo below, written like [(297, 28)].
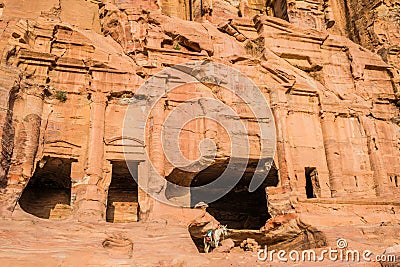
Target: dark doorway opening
[(279, 8), (48, 193), (122, 202), (312, 183), (239, 208)]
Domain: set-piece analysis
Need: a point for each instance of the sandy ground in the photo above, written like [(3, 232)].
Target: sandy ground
[(35, 242)]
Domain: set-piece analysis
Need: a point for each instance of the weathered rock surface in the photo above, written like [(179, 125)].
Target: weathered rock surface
[(225, 246), (328, 69)]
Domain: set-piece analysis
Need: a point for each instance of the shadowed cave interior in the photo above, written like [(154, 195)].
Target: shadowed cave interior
[(48, 192), (122, 201), (239, 209)]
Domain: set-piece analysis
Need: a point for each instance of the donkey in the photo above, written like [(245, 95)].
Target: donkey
[(213, 237)]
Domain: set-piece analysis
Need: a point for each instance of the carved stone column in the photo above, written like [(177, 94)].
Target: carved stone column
[(91, 198), (375, 157), (156, 153), (332, 154), (156, 185), (26, 143), (145, 201), (283, 150)]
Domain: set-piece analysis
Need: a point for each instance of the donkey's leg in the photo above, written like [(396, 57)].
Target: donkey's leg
[(206, 246)]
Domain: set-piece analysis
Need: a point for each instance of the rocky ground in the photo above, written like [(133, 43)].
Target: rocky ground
[(34, 242), (70, 68)]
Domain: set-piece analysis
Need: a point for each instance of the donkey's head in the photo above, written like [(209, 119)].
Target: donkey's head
[(224, 229)]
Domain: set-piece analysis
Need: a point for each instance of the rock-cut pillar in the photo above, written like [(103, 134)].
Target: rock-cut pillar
[(332, 153), (91, 198), (26, 144), (283, 150), (375, 157)]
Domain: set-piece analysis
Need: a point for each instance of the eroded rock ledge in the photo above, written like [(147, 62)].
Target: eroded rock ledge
[(69, 70)]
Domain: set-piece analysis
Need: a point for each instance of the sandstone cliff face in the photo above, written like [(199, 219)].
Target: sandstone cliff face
[(328, 69)]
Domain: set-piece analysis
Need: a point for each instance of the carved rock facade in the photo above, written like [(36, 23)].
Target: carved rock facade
[(67, 72)]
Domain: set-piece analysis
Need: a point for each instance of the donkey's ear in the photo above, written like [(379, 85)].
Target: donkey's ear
[(226, 226)]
